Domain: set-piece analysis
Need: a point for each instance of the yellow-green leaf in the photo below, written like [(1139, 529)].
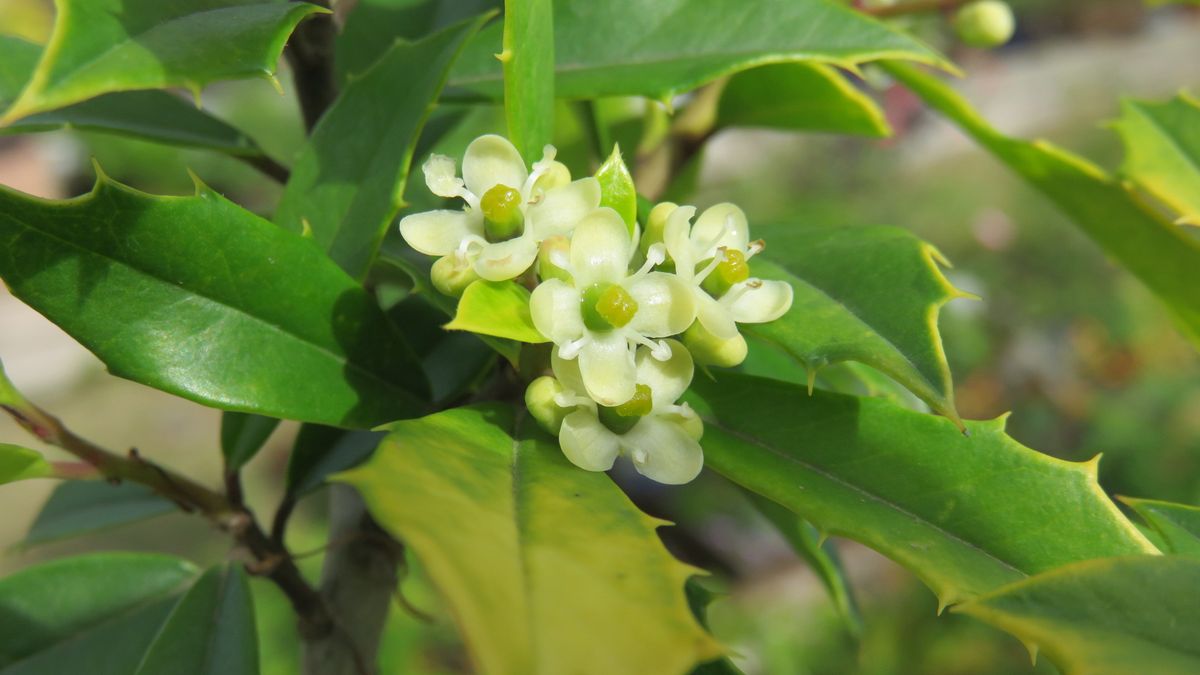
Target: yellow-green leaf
[(496, 308), (799, 96), (1177, 524), (18, 463), (1162, 151), (617, 190)]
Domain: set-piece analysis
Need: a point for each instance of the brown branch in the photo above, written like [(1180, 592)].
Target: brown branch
[(912, 7)]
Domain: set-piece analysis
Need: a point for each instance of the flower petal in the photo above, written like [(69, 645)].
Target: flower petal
[(561, 208), (721, 225), (588, 443), (667, 379), (663, 451), (567, 372), (677, 237), (606, 364), (492, 160), (666, 304), (714, 316), (554, 306), (441, 176), (600, 248), (506, 259), (758, 301), (439, 232)]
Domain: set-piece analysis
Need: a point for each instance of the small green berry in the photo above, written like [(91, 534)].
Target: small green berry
[(985, 24)]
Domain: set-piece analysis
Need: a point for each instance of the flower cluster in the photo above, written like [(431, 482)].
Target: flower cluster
[(611, 298)]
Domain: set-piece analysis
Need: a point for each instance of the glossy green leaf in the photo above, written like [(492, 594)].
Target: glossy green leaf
[(617, 190), (19, 463), (799, 96), (320, 452), (910, 485), (210, 631), (102, 46), (200, 298), (349, 181), (1150, 247), (866, 294), (507, 529), (1106, 617), (81, 507), (528, 66), (1177, 524), (93, 614), (453, 360), (496, 308), (660, 48), (150, 115), (1162, 151), (242, 436), (9, 396), (699, 598)]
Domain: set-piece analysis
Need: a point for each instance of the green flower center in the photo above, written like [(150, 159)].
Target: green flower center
[(622, 418), (731, 270), (502, 216), (607, 306)]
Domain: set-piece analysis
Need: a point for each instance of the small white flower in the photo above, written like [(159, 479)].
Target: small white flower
[(660, 436), (724, 291), (602, 313), (508, 209)]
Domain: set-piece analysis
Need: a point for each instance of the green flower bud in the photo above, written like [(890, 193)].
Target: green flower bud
[(539, 399), (710, 350), (620, 419), (731, 270), (452, 274), (656, 222), (502, 216), (607, 306), (985, 24), (557, 247)]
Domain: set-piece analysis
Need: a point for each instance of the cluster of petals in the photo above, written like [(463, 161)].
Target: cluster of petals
[(611, 310)]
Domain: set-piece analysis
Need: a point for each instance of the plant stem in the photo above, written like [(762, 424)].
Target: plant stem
[(268, 167)]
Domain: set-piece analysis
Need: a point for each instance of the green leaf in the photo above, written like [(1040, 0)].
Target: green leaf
[(320, 452), (910, 485), (617, 191), (102, 46), (866, 294), (349, 181), (199, 298), (210, 632), (496, 308), (1106, 617), (1154, 250), (699, 598), (660, 48), (528, 65), (150, 115), (1177, 524), (242, 436), (508, 529), (93, 614), (18, 463), (800, 96), (80, 507), (1162, 151)]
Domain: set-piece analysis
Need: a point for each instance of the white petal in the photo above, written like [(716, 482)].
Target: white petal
[(677, 237), (758, 301), (555, 309), (667, 379), (721, 225), (567, 372), (561, 208), (554, 174), (714, 316), (588, 443), (606, 364), (506, 259), (441, 176), (600, 248), (666, 304), (439, 232), (662, 451), (492, 160)]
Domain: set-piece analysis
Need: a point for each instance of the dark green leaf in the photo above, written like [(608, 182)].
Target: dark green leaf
[(242, 436), (528, 65), (699, 598), (910, 485), (103, 46), (1117, 616), (18, 463), (200, 298), (349, 181), (800, 96), (320, 452), (1177, 524), (82, 507)]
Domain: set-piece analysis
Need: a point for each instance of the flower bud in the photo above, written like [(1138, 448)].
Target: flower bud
[(985, 24), (656, 222), (710, 350), (540, 398), (452, 274), (554, 256)]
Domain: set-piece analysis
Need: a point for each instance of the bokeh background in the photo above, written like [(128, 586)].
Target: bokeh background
[(1080, 353)]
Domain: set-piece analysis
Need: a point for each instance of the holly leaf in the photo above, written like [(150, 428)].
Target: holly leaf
[(242, 436), (82, 506), (1177, 524), (496, 308), (802, 97), (528, 66), (617, 190), (1162, 151)]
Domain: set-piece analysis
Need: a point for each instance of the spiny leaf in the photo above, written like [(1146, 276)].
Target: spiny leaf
[(1162, 151), (496, 308), (1177, 524), (800, 96)]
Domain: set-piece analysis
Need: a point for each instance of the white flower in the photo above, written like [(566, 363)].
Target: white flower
[(602, 313), (724, 291), (508, 209), (658, 435)]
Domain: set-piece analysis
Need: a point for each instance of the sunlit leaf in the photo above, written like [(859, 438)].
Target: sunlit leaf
[(799, 96), (617, 190), (1162, 151), (18, 463), (1177, 524), (496, 308), (528, 66)]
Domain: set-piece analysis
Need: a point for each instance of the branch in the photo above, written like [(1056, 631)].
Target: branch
[(268, 167)]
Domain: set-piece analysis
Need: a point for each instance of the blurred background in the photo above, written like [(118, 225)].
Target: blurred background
[(1080, 353)]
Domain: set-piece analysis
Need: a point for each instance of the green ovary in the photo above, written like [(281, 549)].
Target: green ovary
[(607, 306), (622, 418), (502, 216), (733, 269)]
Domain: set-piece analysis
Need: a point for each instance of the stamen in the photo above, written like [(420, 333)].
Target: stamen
[(655, 255), (570, 350), (755, 248), (718, 258), (659, 349)]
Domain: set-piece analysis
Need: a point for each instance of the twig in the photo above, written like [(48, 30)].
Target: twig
[(268, 167)]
